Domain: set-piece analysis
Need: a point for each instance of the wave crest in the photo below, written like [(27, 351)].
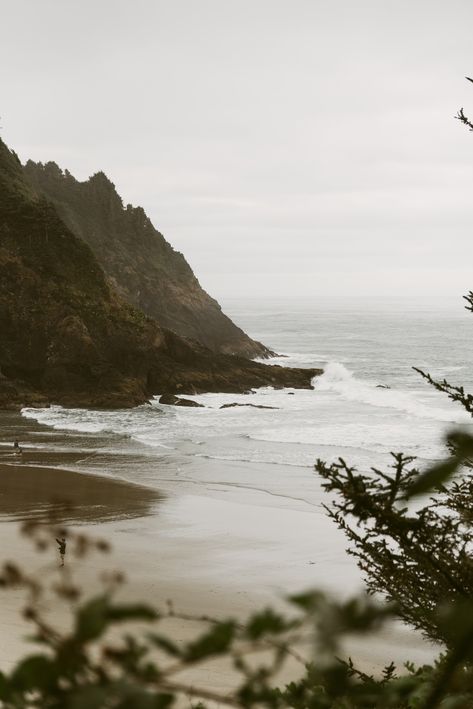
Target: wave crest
[(337, 378)]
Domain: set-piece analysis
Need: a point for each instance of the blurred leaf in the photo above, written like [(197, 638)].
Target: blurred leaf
[(439, 474), (163, 701), (266, 622), (215, 642), (91, 619), (456, 620), (128, 612), (139, 698), (164, 643), (309, 601), (89, 698), (433, 477), (34, 672), (96, 615), (4, 687)]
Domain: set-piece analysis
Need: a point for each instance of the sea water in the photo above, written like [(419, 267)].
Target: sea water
[(369, 401), (243, 508)]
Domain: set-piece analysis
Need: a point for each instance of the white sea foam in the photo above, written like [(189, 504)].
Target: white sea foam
[(343, 412), (296, 359), (337, 378), (63, 419), (356, 438), (88, 421), (369, 419)]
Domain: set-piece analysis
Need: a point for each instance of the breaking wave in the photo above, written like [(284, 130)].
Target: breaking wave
[(337, 378)]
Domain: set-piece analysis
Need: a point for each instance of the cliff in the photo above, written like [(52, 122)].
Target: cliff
[(142, 265), (67, 337)]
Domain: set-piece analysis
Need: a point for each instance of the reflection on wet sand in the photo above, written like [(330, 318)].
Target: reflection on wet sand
[(28, 492)]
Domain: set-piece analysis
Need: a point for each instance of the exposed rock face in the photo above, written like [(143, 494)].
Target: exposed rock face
[(172, 400), (67, 337), (143, 267)]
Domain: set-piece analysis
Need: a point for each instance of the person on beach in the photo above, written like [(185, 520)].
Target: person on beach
[(62, 549), (16, 445)]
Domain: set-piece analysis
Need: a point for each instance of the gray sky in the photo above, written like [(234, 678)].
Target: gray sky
[(300, 147)]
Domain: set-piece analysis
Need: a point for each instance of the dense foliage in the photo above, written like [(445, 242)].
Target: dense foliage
[(417, 557)]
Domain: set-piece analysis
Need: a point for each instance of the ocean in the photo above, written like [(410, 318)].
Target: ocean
[(364, 345), (241, 512)]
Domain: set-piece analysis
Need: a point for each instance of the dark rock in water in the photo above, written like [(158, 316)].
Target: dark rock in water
[(253, 406), (142, 266), (172, 400), (382, 386), (67, 337), (290, 393)]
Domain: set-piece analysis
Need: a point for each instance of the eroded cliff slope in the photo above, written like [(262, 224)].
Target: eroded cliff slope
[(143, 266), (67, 337)]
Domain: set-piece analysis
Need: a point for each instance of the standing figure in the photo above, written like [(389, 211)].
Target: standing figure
[(17, 449), (62, 548)]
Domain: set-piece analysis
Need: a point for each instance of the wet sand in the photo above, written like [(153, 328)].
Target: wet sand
[(31, 492), (156, 568), (202, 570)]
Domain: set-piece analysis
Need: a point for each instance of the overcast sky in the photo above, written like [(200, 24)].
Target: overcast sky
[(300, 147)]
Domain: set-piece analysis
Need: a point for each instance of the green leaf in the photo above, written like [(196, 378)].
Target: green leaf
[(137, 698), (91, 697), (456, 621), (215, 642), (95, 616), (91, 621), (4, 687), (265, 623), (432, 478), (34, 672), (128, 612), (439, 474), (164, 643), (163, 701), (309, 601)]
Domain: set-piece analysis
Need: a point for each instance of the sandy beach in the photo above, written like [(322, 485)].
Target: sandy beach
[(208, 554), (157, 569)]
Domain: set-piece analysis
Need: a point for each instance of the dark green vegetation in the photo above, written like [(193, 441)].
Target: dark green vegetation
[(402, 550), (68, 337), (143, 268)]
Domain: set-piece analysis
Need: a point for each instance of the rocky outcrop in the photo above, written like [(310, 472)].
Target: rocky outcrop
[(142, 266), (171, 400), (67, 337)]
